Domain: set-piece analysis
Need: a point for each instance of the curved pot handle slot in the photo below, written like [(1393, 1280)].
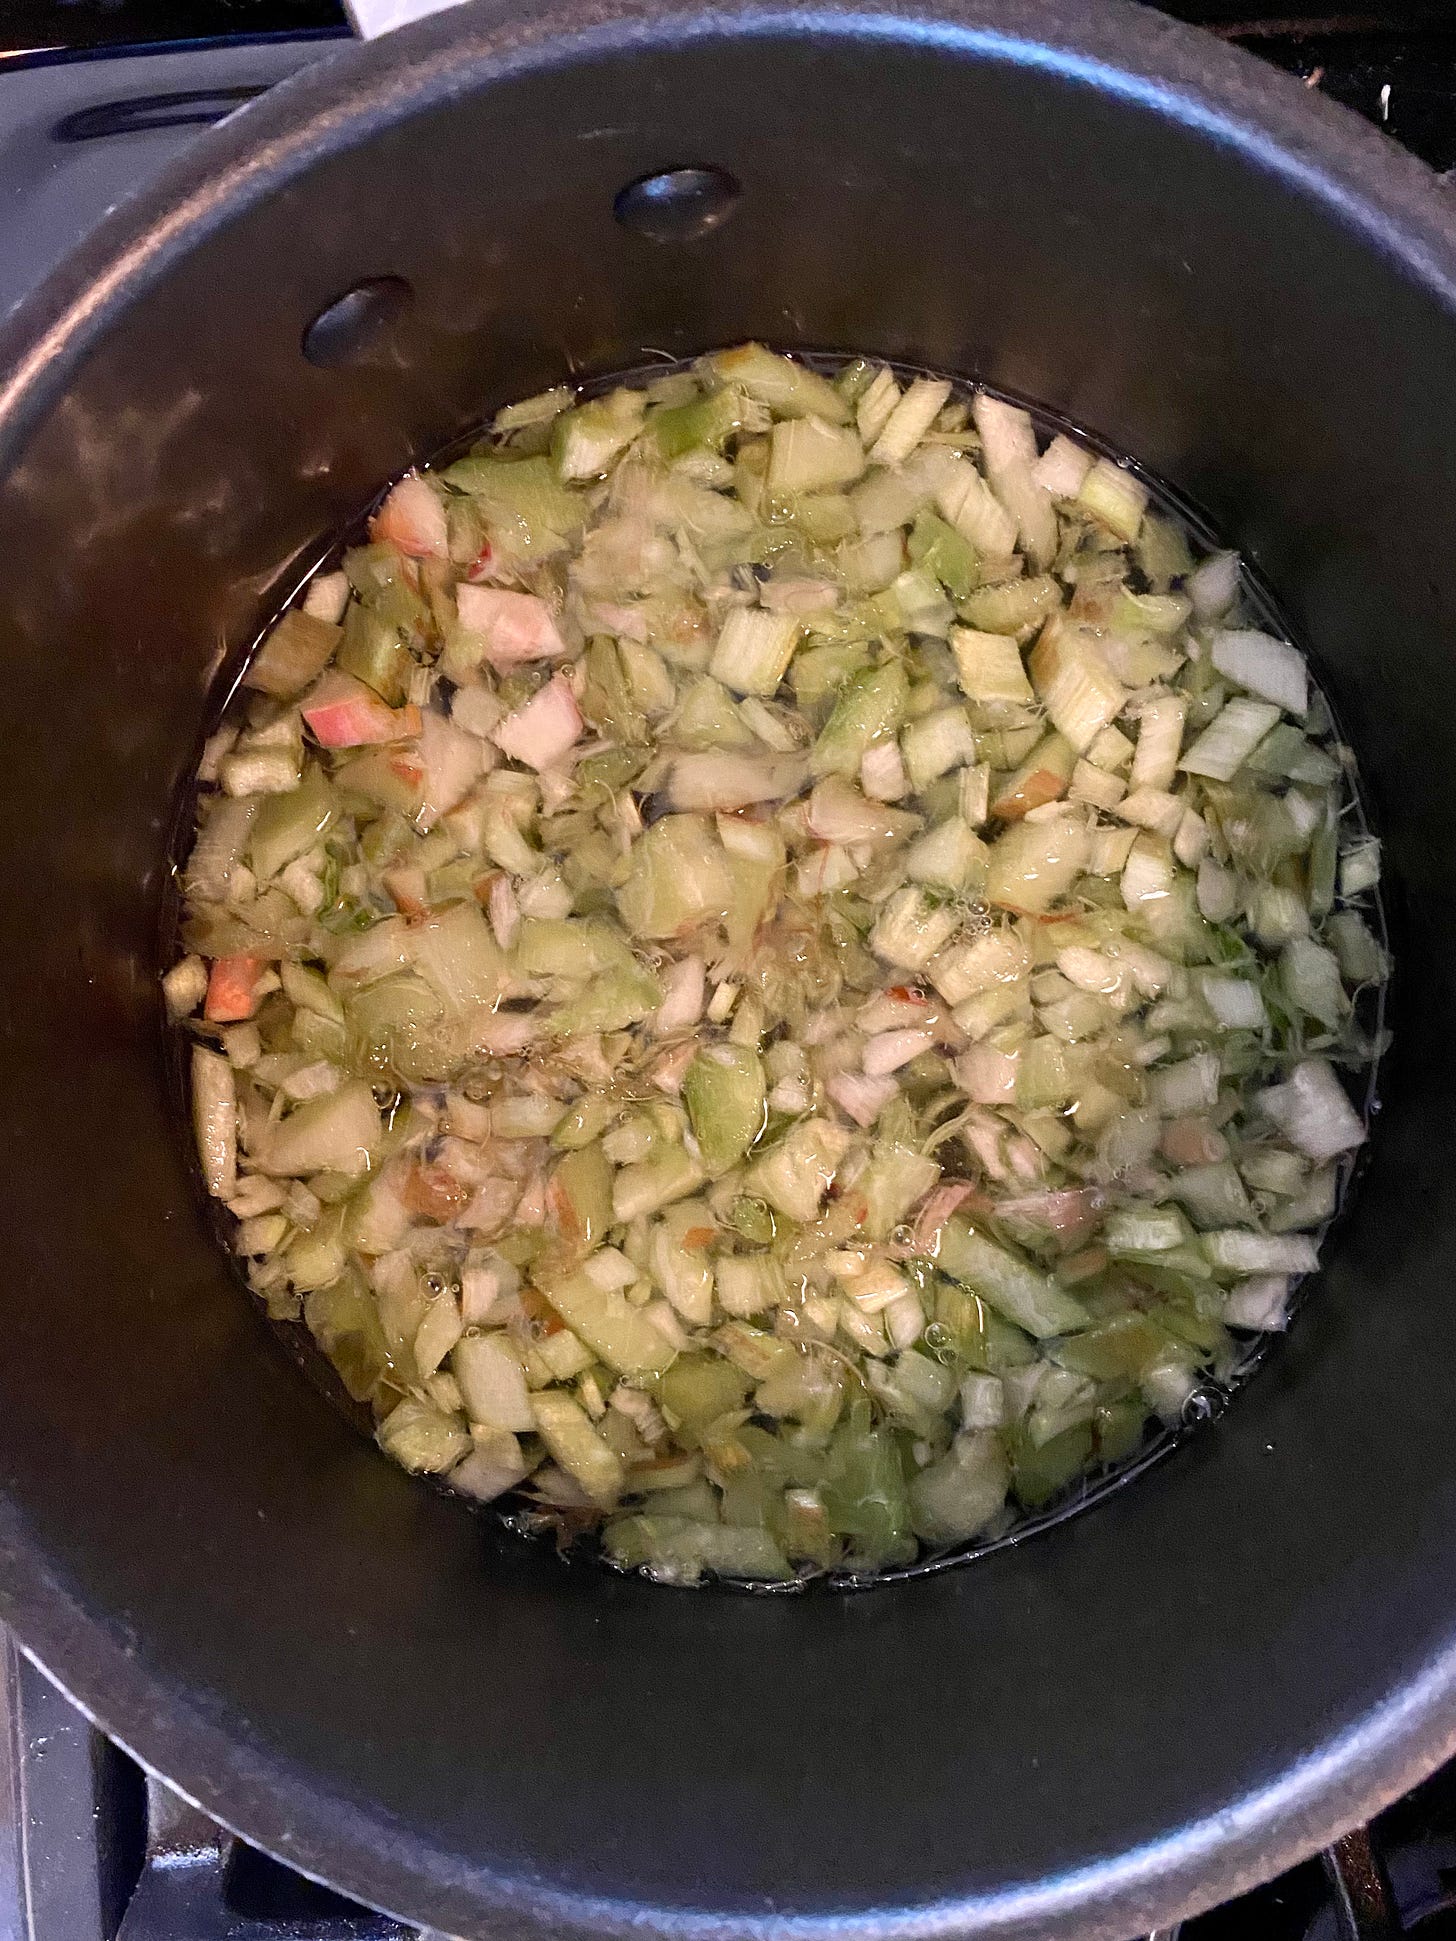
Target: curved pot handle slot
[(143, 113)]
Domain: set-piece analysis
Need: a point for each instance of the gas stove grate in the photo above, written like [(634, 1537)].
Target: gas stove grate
[(101, 1852)]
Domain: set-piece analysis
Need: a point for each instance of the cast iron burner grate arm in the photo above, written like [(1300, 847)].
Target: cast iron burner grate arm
[(101, 1852), (1391, 1879)]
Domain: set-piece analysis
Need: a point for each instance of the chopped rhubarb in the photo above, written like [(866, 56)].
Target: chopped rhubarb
[(545, 729), (413, 519), (232, 989), (518, 627), (343, 713), (942, 1203), (790, 1079)]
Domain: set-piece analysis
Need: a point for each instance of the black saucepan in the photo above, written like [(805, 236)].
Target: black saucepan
[(1137, 1712)]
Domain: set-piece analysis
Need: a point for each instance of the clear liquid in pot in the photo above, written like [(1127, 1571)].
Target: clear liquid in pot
[(775, 966)]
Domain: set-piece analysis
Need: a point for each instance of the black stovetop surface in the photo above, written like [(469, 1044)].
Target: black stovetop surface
[(90, 1850), (1394, 64), (89, 23), (80, 24)]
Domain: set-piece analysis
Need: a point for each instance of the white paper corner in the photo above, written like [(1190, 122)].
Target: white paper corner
[(374, 17)]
